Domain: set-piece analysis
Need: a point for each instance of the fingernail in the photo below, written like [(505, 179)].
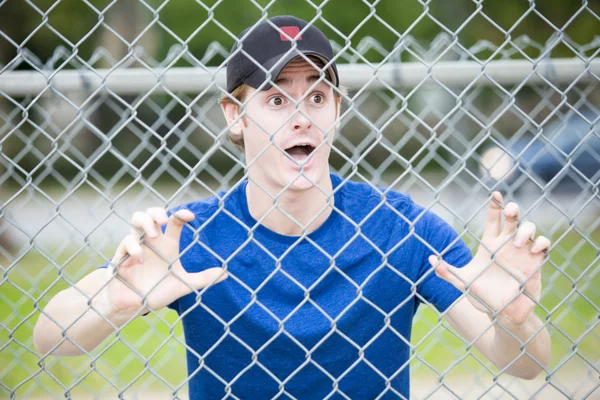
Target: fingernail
[(535, 248), (519, 243)]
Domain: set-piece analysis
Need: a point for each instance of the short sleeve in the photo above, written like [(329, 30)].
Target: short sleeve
[(444, 239)]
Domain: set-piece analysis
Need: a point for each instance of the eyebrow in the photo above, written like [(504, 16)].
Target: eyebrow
[(286, 81)]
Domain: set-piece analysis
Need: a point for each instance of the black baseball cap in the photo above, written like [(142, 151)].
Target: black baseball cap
[(267, 45)]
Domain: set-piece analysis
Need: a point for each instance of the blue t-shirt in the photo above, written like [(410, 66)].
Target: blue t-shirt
[(310, 316)]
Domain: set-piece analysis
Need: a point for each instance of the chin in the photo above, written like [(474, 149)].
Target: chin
[(303, 181)]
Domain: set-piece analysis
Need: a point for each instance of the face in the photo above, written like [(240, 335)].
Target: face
[(288, 131)]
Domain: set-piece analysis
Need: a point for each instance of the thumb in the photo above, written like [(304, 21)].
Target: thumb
[(448, 273), (176, 222), (210, 276)]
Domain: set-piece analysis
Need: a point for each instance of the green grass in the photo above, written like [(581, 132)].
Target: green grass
[(572, 316)]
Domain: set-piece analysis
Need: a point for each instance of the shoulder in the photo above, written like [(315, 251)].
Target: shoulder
[(202, 209), (391, 204), (366, 195), (382, 211), (222, 209)]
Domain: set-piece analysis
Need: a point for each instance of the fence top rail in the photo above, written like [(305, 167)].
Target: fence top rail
[(128, 81)]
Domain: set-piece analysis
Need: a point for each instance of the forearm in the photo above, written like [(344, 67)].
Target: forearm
[(71, 316), (508, 347)]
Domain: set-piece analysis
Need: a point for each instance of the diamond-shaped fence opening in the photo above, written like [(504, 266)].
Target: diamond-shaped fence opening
[(113, 108)]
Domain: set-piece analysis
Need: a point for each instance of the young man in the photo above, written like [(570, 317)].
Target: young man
[(320, 277)]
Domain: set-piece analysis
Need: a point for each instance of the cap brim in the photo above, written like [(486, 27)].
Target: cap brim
[(259, 77)]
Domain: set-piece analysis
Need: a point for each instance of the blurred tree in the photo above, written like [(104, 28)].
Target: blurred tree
[(193, 24), (80, 27)]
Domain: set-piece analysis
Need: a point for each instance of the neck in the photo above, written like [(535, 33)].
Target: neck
[(314, 204)]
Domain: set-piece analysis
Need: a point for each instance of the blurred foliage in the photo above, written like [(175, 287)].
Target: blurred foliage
[(43, 25), (183, 29)]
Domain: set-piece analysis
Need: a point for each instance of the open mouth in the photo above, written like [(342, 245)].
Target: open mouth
[(300, 152)]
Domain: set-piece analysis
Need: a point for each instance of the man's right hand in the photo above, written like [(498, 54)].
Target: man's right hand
[(145, 274), (148, 261)]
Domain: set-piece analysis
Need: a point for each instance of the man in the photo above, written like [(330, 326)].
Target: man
[(320, 277)]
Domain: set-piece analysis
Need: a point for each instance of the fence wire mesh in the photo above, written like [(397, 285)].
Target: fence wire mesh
[(76, 163)]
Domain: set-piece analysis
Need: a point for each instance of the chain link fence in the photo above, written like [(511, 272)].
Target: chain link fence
[(86, 141)]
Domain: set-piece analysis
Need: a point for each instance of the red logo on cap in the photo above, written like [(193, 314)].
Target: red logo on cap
[(292, 31)]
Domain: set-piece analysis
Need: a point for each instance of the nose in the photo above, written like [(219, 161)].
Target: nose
[(299, 121)]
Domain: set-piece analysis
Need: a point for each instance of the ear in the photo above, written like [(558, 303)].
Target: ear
[(338, 108), (231, 111)]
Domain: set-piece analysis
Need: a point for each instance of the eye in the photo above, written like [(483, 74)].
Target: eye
[(317, 98), (276, 101)]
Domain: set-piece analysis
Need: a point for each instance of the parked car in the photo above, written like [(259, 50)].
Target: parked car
[(564, 157)]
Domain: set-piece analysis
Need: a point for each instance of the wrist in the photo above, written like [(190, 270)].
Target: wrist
[(107, 310)]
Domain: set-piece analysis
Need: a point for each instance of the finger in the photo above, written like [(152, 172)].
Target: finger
[(494, 217), (158, 214), (144, 224), (511, 214), (211, 276), (128, 246), (541, 244), (525, 232), (448, 273), (176, 223), (160, 217)]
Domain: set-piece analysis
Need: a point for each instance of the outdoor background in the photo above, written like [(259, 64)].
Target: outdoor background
[(75, 164)]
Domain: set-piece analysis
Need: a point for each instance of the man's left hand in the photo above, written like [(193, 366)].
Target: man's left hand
[(504, 276)]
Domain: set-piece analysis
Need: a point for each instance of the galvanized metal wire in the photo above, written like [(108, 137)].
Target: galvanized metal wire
[(86, 142)]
